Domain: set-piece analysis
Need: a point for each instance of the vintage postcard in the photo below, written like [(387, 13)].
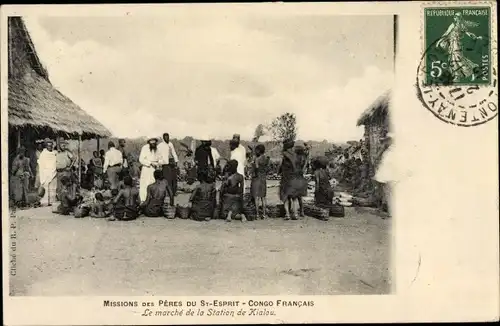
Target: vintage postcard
[(250, 163)]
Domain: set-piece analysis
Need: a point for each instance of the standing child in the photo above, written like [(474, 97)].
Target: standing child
[(232, 192), (127, 201), (323, 194), (258, 186)]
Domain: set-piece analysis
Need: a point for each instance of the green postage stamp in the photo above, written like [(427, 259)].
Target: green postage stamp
[(457, 74), (458, 45)]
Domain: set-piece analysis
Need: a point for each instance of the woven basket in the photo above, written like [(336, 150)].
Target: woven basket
[(183, 212), (217, 212), (276, 211), (315, 211), (337, 211), (169, 211)]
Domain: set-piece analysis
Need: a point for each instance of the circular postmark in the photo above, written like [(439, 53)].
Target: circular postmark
[(455, 103)]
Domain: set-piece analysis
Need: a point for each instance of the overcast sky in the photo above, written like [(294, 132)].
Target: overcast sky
[(216, 75)]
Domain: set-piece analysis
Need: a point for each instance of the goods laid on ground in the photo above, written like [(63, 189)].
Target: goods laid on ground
[(249, 208), (276, 211), (218, 212), (337, 211), (345, 195), (343, 199), (168, 211), (81, 211), (182, 212), (315, 211), (364, 202)]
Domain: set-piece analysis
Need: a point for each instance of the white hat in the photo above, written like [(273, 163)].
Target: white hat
[(205, 138), (151, 137)]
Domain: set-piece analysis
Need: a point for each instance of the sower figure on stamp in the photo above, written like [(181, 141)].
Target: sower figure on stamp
[(460, 65)]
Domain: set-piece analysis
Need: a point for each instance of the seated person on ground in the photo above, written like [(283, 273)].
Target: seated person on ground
[(156, 193), (100, 208), (127, 201), (69, 197), (203, 198)]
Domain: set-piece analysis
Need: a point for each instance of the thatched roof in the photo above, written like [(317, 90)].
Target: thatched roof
[(377, 111), (33, 101)]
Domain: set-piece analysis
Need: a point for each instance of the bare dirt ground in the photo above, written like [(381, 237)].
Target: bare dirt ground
[(61, 255)]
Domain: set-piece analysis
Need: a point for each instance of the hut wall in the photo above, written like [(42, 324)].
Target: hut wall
[(374, 133)]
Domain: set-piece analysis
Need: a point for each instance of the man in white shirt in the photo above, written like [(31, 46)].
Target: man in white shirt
[(113, 162), (239, 154), (168, 161)]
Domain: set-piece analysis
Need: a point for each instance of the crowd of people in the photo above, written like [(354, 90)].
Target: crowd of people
[(113, 185)]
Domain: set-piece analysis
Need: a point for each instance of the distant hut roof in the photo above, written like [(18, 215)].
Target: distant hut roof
[(33, 101), (377, 110)]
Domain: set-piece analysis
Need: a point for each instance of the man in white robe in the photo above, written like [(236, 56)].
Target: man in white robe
[(48, 172), (150, 161)]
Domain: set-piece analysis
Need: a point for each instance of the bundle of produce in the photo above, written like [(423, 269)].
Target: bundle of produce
[(315, 211), (168, 210), (249, 208), (336, 210), (363, 202), (217, 212), (343, 199), (276, 211), (183, 212), (308, 199)]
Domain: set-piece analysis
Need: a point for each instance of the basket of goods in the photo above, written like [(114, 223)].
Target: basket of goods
[(81, 211), (41, 191), (249, 208), (276, 211), (317, 212), (168, 210), (183, 212), (337, 210), (217, 212)]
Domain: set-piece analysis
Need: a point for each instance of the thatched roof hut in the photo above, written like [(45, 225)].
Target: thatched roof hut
[(377, 112), (375, 119), (34, 103)]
